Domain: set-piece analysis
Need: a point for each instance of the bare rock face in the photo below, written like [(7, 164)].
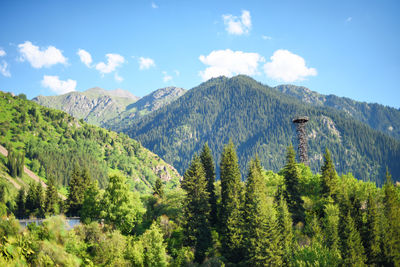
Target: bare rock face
[(95, 105)]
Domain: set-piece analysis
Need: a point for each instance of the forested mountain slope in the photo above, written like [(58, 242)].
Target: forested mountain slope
[(54, 143), (259, 120), (144, 106), (379, 117)]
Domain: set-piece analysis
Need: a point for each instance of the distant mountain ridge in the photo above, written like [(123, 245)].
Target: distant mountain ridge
[(382, 118), (109, 107)]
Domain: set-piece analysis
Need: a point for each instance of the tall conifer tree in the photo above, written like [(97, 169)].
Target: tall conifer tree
[(52, 200), (391, 242), (39, 204), (20, 213), (260, 222), (197, 210), (209, 168), (351, 245), (331, 227), (285, 227), (78, 184), (329, 179), (231, 204), (372, 233), (292, 192)]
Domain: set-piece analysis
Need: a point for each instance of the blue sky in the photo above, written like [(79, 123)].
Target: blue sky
[(348, 48)]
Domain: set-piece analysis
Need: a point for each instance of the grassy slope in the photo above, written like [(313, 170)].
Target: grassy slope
[(58, 141)]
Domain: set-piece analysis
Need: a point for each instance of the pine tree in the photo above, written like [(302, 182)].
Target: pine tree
[(208, 164), (12, 162), (197, 210), (30, 203), (329, 178), (39, 198), (292, 192), (20, 212), (158, 188), (372, 233), (20, 162), (231, 204), (352, 250), (52, 200), (91, 204), (77, 186), (331, 228), (392, 227), (285, 226), (260, 221)]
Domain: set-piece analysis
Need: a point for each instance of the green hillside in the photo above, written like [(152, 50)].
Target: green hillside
[(259, 120), (54, 142)]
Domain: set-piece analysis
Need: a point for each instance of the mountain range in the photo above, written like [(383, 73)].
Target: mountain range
[(363, 138), (109, 108)]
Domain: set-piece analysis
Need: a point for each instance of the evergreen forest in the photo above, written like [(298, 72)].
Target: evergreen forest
[(292, 217)]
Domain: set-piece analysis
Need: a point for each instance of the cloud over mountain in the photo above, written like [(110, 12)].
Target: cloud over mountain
[(229, 63), (287, 67), (58, 86), (40, 58)]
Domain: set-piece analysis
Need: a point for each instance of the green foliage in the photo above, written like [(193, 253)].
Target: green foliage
[(292, 188), (52, 200), (285, 228), (20, 212), (209, 168), (372, 233), (262, 231), (391, 242), (158, 188), (329, 177), (91, 208), (54, 142), (120, 208), (315, 255), (78, 184), (352, 250), (331, 228), (231, 205), (197, 210)]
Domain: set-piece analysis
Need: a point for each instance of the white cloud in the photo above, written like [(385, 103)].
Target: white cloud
[(57, 85), (266, 37), (238, 25), (166, 77), (118, 78), (229, 63), (85, 57), (113, 61), (2, 53), (4, 69), (287, 67), (146, 63), (177, 73), (154, 5), (41, 58)]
